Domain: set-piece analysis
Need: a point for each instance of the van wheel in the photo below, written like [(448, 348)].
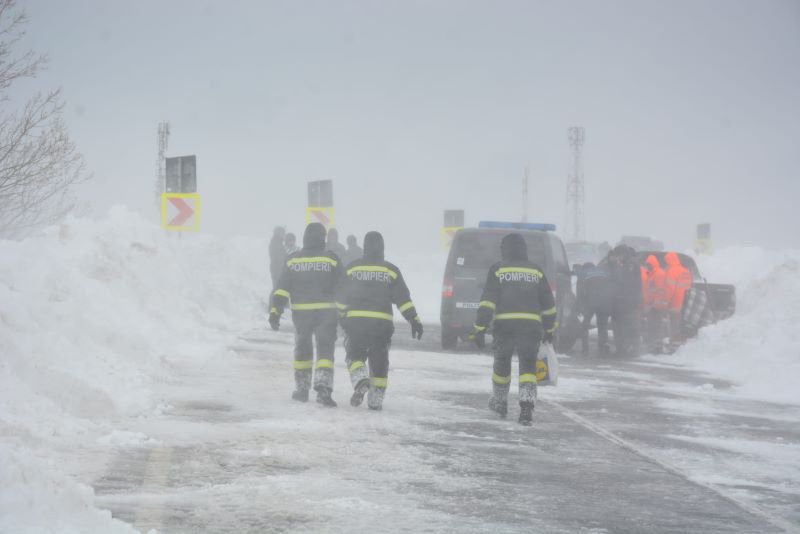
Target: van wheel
[(449, 339)]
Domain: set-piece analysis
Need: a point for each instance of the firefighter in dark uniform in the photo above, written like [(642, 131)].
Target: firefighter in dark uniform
[(369, 288), (309, 280), (519, 297)]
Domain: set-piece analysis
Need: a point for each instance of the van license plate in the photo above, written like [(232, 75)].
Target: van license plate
[(467, 305)]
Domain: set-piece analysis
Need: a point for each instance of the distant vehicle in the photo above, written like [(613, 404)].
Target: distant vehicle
[(580, 252), (475, 250), (640, 242), (720, 298)]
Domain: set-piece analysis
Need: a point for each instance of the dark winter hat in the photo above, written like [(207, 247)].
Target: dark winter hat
[(351, 241), (373, 246), (513, 247), (314, 236)]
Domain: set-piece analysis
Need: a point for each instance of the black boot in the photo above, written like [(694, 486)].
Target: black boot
[(526, 413), (498, 406), (300, 395), (324, 397), (358, 394)]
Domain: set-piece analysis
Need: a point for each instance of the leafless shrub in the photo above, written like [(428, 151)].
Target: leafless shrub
[(39, 164)]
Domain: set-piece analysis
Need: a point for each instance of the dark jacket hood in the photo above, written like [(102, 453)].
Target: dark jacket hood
[(314, 237), (513, 247), (373, 246)]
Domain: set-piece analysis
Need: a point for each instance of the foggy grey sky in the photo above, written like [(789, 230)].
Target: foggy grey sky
[(690, 109)]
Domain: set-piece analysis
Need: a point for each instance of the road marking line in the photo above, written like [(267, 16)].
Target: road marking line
[(154, 479), (777, 522)]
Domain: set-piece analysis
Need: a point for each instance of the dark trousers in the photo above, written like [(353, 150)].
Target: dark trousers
[(626, 330), (602, 327), (367, 341), (657, 329), (310, 326), (524, 338)]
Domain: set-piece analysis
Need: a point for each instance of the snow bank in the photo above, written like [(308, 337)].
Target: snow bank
[(91, 314), (758, 348)]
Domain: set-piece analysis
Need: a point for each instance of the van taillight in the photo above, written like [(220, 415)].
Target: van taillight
[(447, 288)]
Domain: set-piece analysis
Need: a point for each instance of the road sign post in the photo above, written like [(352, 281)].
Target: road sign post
[(703, 243), (180, 203), (180, 211), (320, 203), (453, 222)]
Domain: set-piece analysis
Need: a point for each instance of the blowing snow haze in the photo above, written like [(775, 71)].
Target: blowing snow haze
[(690, 110), (225, 381)]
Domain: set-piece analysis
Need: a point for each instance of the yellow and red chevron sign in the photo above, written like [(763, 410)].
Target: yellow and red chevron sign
[(321, 215), (180, 211)]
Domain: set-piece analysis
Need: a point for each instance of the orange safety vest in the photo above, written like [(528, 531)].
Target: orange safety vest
[(678, 281)]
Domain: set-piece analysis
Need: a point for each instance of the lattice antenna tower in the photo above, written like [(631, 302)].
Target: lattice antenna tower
[(576, 222), (161, 169)]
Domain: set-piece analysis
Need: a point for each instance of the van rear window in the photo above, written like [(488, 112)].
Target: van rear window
[(481, 250)]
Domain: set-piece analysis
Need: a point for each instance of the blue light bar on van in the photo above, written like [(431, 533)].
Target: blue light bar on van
[(544, 227)]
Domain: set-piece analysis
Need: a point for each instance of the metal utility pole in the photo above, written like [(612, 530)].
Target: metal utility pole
[(525, 196), (163, 142), (576, 222)]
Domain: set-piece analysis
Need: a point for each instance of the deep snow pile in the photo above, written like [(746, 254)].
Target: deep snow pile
[(91, 314), (758, 348)]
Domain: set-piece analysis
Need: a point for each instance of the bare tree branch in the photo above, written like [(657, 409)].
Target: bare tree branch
[(39, 164)]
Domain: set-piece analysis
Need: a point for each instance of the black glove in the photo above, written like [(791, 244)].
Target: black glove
[(547, 337), (416, 329), (274, 321), (479, 338)]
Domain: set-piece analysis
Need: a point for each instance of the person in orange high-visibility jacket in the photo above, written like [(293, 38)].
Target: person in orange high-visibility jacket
[(657, 303), (678, 280)]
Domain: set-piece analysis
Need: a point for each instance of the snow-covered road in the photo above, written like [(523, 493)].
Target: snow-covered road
[(136, 379), (232, 453)]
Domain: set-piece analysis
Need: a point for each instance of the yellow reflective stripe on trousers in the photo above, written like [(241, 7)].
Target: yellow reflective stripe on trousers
[(379, 382), (358, 364), (487, 304), (303, 364), (405, 306), (314, 306), (324, 364), (370, 314), (526, 270), (497, 379), (372, 269), (551, 311), (480, 328), (527, 316), (341, 306), (527, 378), (315, 259), (281, 293)]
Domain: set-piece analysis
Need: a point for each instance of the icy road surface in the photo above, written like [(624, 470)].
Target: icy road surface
[(618, 446)]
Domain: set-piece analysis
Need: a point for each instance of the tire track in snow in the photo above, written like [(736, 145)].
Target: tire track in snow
[(776, 522)]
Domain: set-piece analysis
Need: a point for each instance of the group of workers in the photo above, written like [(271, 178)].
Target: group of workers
[(323, 293), (642, 301)]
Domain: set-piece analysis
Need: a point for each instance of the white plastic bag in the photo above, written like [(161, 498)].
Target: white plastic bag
[(547, 366)]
